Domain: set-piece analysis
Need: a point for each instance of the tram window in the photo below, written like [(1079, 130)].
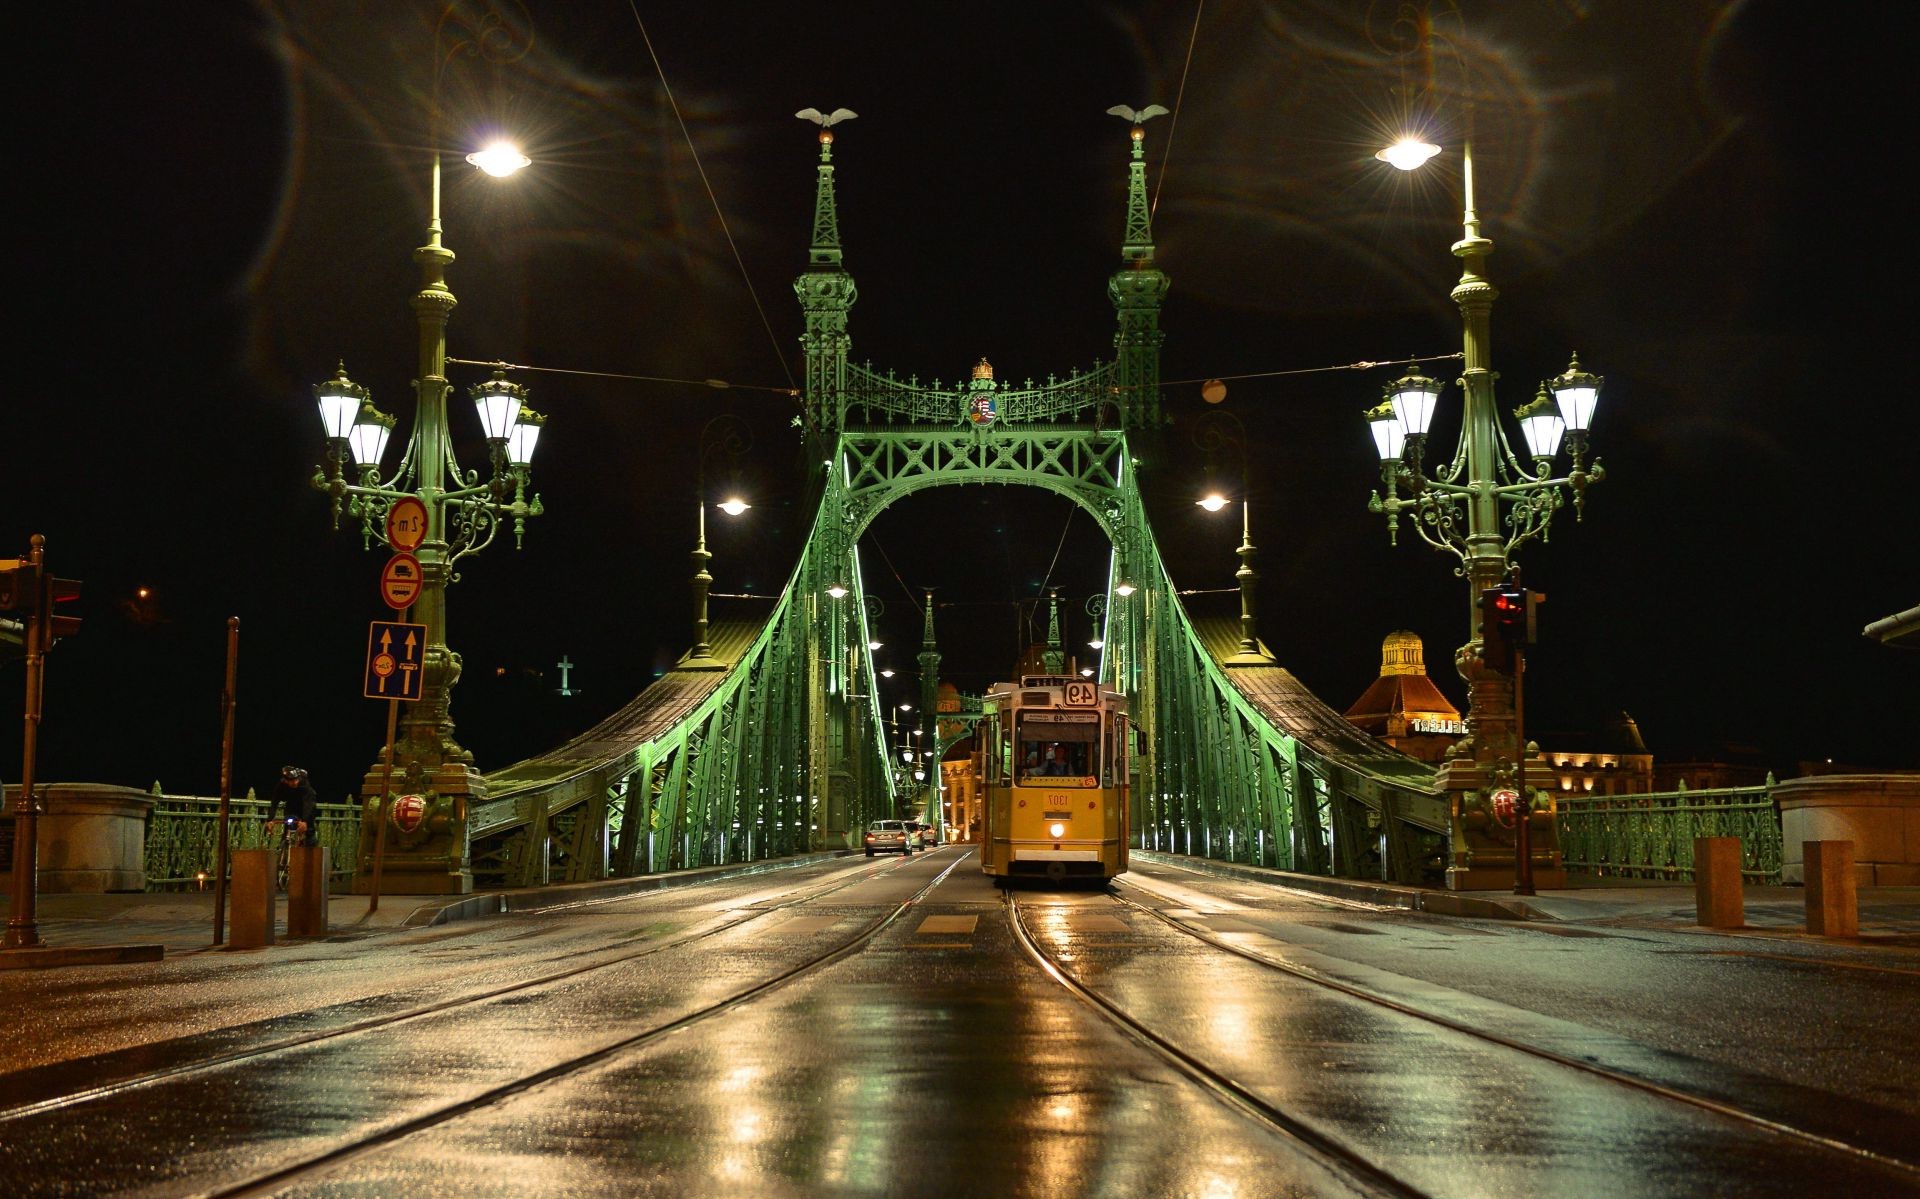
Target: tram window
[(1058, 748)]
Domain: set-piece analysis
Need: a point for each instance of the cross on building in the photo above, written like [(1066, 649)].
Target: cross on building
[(565, 665)]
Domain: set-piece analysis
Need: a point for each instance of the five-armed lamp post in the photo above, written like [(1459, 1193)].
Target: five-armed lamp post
[(1481, 506), (443, 512)]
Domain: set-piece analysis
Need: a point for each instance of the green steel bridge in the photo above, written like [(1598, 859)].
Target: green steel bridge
[(767, 740)]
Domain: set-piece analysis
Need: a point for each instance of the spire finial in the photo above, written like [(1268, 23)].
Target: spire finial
[(926, 638), (826, 214), (1138, 245)]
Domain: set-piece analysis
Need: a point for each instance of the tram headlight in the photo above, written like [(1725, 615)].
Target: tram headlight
[(1057, 829)]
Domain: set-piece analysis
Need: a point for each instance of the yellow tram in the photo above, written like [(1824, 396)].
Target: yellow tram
[(1055, 779)]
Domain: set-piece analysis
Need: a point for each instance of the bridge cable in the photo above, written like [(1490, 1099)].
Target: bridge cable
[(1174, 122), (738, 261)]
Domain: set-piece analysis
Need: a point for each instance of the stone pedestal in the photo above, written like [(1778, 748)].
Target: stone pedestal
[(92, 838), (308, 869), (1879, 813)]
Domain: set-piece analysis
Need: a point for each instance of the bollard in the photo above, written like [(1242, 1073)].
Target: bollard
[(252, 895), (1717, 898), (307, 876), (1833, 902)]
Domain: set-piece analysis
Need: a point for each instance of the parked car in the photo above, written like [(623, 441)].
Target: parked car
[(890, 836)]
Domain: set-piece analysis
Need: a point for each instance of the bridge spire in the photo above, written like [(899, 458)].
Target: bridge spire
[(1137, 288), (1055, 657), (826, 292)]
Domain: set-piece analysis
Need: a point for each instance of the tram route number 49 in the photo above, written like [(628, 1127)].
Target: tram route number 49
[(1082, 695)]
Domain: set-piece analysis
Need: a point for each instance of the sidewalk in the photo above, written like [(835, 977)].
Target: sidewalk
[(1889, 916), (182, 922)]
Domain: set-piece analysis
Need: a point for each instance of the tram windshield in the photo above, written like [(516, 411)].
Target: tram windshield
[(1057, 745)]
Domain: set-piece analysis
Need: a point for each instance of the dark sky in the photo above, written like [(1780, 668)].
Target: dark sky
[(1685, 193)]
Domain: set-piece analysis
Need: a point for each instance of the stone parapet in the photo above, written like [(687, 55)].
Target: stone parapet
[(1879, 813), (92, 838)]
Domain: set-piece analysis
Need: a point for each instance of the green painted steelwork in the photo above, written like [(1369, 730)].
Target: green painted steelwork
[(775, 743), (182, 832), (1651, 836)]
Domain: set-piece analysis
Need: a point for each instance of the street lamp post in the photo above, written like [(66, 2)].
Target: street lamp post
[(463, 514), (729, 434), (1219, 429), (1482, 506)]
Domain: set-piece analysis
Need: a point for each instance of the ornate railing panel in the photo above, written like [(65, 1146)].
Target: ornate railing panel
[(872, 398), (1651, 835), (183, 830)]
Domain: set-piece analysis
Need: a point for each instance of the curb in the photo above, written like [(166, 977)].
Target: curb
[(560, 895), (49, 957), (1394, 895)]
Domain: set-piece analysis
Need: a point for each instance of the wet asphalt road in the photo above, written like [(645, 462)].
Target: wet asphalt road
[(803, 1033)]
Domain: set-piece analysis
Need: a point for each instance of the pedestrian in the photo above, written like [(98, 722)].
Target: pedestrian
[(295, 794)]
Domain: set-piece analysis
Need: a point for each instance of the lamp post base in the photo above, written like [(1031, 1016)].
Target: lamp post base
[(1481, 857), (428, 841)]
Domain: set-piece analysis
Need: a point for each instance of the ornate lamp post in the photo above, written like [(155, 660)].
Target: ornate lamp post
[(1481, 506), (463, 514)]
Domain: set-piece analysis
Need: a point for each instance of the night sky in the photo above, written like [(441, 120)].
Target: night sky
[(1688, 194)]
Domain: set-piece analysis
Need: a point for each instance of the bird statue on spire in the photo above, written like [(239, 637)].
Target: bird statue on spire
[(826, 121), (1137, 116)]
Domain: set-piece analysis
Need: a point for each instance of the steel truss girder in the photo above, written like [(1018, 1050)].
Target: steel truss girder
[(1222, 779), (1085, 464)]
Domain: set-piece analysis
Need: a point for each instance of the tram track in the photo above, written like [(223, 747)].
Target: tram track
[(1228, 1090), (205, 1065), (272, 1180), (1330, 1146), (1717, 1107)]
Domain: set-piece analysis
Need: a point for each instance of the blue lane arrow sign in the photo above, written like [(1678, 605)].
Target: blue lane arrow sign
[(395, 652)]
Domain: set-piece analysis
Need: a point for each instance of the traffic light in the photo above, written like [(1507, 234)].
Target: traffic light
[(19, 585), (26, 592), (1507, 621), (58, 591)]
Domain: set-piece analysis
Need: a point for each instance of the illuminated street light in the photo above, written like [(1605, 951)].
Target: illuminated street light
[(728, 434), (1408, 154), (1481, 506), (836, 590), (1213, 501), (499, 159), (455, 513)]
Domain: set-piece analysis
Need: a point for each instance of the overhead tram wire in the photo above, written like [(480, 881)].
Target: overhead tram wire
[(780, 357), (1173, 123), (724, 385), (714, 384)]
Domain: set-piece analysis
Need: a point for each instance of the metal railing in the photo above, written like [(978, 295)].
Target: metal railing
[(1651, 836), (182, 831)]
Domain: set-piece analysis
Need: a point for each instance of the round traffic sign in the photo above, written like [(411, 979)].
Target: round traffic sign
[(400, 581), (1505, 801), (406, 525)]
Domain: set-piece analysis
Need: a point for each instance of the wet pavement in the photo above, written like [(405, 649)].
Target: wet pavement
[(855, 1027)]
